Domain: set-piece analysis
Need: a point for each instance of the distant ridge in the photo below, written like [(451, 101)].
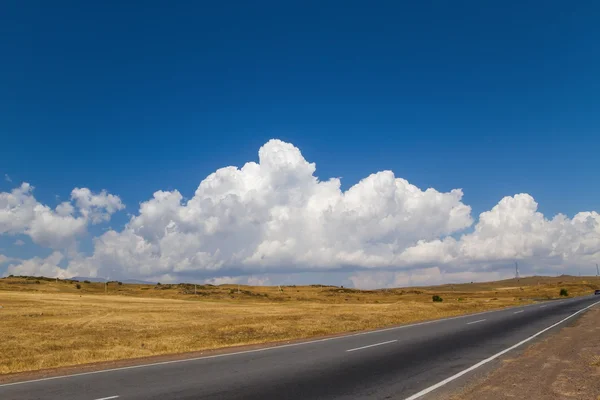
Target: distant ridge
[(134, 281)]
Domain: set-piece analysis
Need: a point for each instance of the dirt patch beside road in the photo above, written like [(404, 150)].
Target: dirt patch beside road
[(565, 365)]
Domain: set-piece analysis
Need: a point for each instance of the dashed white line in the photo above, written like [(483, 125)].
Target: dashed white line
[(373, 345), (475, 322), (487, 360), (517, 312), (108, 398)]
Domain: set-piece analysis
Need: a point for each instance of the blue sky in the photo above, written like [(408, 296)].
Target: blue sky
[(133, 97)]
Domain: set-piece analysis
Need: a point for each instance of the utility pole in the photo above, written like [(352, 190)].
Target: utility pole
[(597, 270), (195, 289), (516, 270)]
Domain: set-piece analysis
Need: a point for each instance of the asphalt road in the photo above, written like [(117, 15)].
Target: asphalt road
[(393, 363)]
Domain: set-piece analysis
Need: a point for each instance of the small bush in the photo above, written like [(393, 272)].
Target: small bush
[(461, 299), (437, 299), (37, 282), (87, 282), (78, 286), (120, 283), (564, 292), (158, 284)]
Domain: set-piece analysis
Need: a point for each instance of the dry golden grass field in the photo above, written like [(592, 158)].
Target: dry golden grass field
[(46, 323)]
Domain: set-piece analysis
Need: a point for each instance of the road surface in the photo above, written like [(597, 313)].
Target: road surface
[(404, 362)]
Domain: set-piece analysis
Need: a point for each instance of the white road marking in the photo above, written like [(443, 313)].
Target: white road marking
[(475, 322), (487, 360), (108, 398), (517, 312), (262, 349), (373, 345), (543, 306)]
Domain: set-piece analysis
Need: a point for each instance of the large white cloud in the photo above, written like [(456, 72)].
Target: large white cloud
[(276, 216), (37, 266), (514, 230), (21, 213)]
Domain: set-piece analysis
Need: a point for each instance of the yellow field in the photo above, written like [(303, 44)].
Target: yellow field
[(51, 324)]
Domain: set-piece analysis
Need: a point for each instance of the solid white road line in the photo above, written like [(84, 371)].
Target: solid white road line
[(373, 345), (108, 398), (264, 348), (517, 312), (487, 360), (475, 322)]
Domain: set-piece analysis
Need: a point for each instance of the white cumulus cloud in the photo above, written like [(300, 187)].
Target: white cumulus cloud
[(277, 215), (514, 230), (273, 217), (96, 207), (37, 266), (21, 213)]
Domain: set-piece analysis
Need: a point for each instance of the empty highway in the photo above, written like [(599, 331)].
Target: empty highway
[(403, 362)]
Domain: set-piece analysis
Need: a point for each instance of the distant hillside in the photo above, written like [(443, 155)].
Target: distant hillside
[(133, 281)]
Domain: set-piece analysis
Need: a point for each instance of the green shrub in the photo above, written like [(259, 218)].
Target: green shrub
[(564, 292), (437, 299), (87, 282), (78, 286), (120, 283)]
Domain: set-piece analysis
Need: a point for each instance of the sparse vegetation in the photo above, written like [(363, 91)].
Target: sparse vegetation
[(564, 292), (87, 281), (78, 286), (437, 299), (54, 324)]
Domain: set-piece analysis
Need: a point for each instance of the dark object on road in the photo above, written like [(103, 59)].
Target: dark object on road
[(597, 292), (437, 298), (564, 292)]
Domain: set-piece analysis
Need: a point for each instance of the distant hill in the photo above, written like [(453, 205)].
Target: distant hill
[(134, 281)]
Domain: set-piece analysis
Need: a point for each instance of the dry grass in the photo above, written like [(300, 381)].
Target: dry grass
[(51, 324)]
